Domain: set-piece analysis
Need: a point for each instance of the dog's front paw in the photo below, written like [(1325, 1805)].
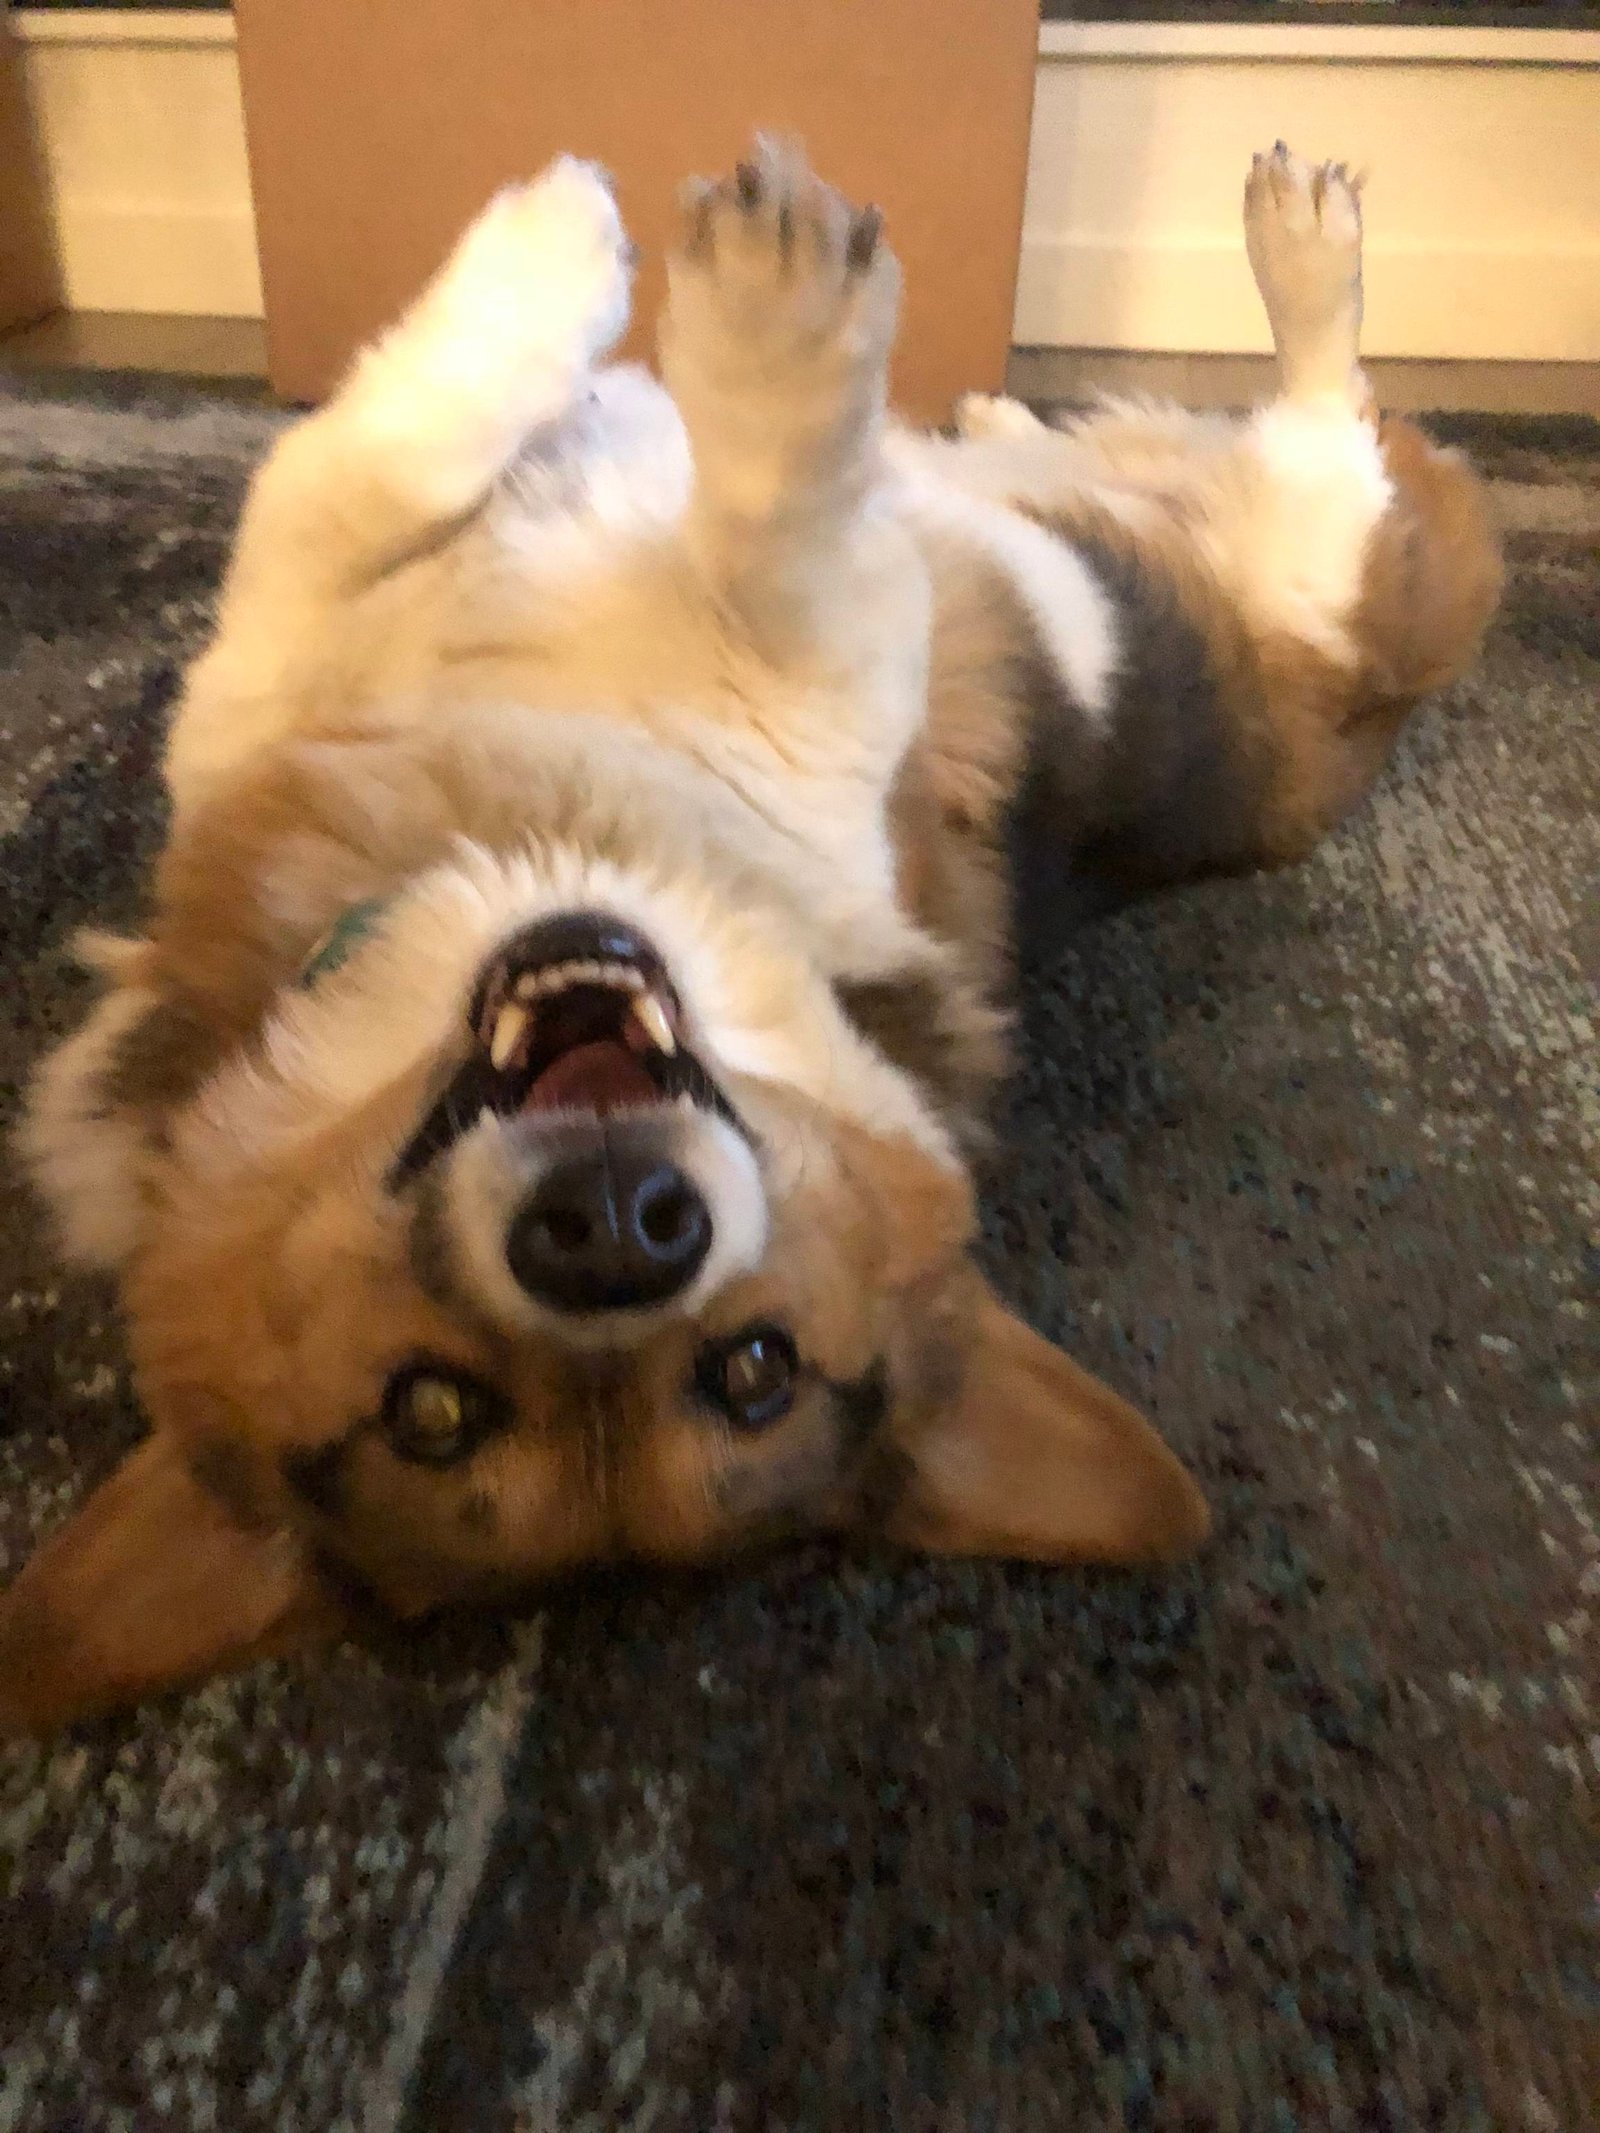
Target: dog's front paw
[(776, 262), (546, 267)]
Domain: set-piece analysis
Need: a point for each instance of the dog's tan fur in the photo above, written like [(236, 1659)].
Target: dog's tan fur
[(507, 636)]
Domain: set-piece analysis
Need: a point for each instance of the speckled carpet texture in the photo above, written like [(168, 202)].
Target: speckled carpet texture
[(1302, 1837)]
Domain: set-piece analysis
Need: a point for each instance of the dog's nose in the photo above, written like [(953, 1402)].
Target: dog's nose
[(609, 1231)]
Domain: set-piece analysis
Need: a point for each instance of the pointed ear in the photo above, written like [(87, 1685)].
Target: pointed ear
[(152, 1584), (1033, 1458)]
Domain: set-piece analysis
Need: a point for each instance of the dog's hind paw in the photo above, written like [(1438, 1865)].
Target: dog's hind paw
[(1302, 228)]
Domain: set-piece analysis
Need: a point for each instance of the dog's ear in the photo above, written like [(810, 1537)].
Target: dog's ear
[(1033, 1458), (98, 1107), (153, 1583)]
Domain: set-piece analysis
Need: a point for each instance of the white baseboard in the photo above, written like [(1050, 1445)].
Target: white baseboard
[(151, 27), (1483, 206), (1371, 43)]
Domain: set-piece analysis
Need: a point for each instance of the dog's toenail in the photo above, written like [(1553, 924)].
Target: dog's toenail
[(864, 235), (747, 182)]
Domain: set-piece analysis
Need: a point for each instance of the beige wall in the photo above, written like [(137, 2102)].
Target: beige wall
[(142, 133), (1484, 201)]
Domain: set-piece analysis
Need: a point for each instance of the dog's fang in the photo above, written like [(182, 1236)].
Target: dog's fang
[(652, 1018), (509, 1025)]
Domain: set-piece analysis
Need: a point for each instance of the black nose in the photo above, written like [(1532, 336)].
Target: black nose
[(608, 1231)]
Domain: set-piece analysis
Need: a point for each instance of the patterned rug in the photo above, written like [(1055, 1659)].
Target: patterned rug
[(1303, 1837)]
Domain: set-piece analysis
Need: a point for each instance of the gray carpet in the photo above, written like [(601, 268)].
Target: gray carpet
[(1303, 1837)]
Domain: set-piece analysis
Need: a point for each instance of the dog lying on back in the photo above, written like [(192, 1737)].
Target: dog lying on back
[(534, 1128)]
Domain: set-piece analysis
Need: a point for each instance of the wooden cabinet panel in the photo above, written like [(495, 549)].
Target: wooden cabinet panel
[(376, 130)]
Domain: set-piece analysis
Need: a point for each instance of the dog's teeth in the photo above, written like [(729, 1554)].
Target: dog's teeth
[(652, 1018), (540, 984), (509, 1025)]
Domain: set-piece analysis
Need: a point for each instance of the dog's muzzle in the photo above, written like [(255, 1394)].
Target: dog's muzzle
[(579, 1042)]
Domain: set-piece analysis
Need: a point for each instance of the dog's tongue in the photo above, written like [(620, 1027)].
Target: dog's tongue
[(594, 1077)]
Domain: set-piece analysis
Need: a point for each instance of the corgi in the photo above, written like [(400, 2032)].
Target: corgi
[(537, 1124)]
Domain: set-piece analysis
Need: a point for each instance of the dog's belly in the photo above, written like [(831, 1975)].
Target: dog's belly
[(575, 593), (614, 469), (572, 595)]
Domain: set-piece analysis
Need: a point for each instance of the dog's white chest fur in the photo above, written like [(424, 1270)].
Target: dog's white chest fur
[(589, 538), (572, 588)]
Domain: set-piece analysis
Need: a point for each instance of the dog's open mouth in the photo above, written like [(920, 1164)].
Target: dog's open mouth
[(595, 1034), (575, 1013)]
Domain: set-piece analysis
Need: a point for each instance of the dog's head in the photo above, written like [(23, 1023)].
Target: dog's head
[(550, 1214)]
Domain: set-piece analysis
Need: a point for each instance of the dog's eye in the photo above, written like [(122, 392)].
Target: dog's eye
[(750, 1376), (436, 1415)]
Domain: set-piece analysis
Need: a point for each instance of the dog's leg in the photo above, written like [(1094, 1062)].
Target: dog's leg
[(430, 416), (1302, 230), (1276, 590), (982, 416), (1290, 507), (1357, 555), (774, 345)]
